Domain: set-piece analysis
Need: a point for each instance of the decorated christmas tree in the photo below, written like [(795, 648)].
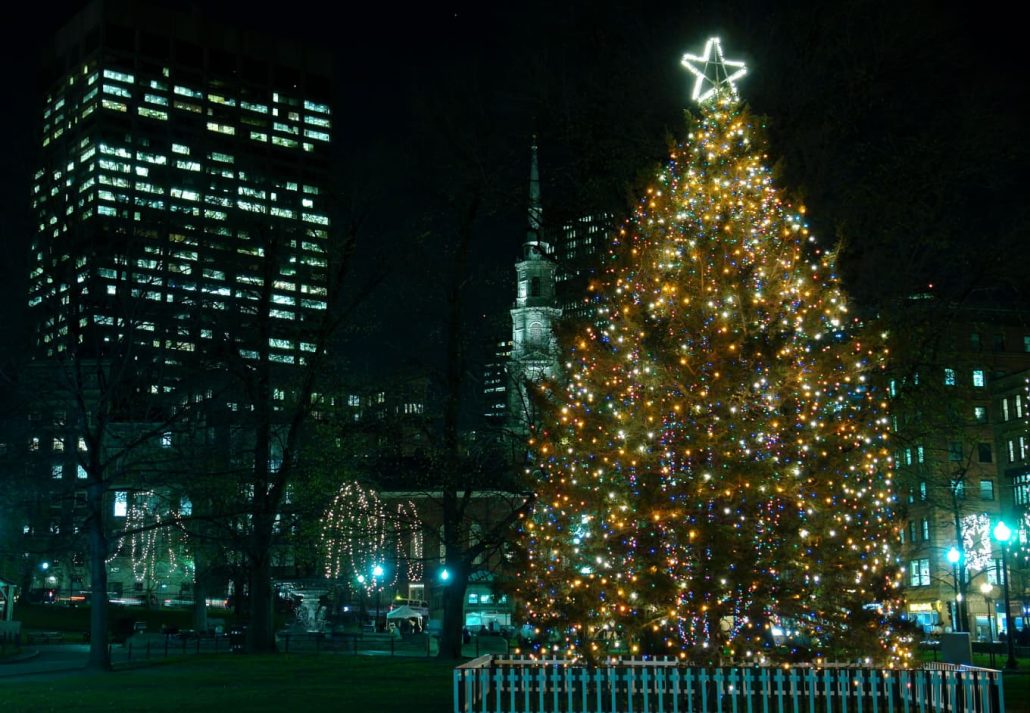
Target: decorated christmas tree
[(716, 478)]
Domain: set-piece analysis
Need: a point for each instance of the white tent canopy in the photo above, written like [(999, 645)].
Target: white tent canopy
[(404, 612)]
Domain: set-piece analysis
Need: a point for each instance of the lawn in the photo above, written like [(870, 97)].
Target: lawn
[(247, 683), (278, 683)]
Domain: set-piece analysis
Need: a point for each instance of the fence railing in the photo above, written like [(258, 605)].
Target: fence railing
[(492, 684)]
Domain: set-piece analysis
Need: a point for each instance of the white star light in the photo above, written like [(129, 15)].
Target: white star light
[(712, 73)]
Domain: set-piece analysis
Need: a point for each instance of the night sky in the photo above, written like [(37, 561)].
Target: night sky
[(899, 124)]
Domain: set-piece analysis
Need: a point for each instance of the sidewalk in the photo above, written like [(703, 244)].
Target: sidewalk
[(54, 659)]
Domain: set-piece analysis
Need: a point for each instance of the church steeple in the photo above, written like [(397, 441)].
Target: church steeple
[(534, 315), (536, 210), (535, 243)]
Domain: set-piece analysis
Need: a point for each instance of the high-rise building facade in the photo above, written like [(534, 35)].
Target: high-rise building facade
[(182, 205), (184, 168)]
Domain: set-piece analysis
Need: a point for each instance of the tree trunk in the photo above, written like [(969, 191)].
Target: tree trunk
[(200, 577), (99, 657), (453, 617), (260, 627)]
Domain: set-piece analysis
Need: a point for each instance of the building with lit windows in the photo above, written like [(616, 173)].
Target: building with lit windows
[(177, 161), (182, 206), (960, 423)]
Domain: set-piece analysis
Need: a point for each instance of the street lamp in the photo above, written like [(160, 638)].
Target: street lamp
[(953, 557), (377, 574), (1002, 533), (985, 589)]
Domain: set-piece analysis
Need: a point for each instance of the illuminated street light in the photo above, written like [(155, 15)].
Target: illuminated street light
[(1002, 533), (954, 557), (986, 589), (377, 572)]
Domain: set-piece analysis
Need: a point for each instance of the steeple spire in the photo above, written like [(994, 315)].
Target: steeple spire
[(536, 210)]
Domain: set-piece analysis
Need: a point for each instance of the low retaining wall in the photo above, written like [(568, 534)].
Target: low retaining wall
[(507, 685)]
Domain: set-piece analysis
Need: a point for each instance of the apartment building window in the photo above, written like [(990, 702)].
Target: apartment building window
[(1021, 489), (994, 571), (121, 503), (980, 414), (983, 453), (975, 342), (979, 379), (987, 490), (924, 527), (919, 572), (998, 342), (922, 490), (1012, 451), (912, 530), (1026, 343), (1005, 409), (920, 454), (954, 451), (1019, 405), (949, 377)]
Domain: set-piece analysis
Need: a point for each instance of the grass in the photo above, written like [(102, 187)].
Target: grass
[(278, 683), (250, 683)]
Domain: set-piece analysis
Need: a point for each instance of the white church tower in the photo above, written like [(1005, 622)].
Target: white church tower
[(534, 352)]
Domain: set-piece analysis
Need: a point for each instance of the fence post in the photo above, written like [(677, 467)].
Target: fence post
[(458, 707)]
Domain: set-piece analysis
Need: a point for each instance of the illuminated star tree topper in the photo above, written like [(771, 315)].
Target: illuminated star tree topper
[(712, 71)]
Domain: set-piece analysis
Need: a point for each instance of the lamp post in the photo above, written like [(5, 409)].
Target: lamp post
[(985, 589), (1002, 534), (956, 620), (377, 574)]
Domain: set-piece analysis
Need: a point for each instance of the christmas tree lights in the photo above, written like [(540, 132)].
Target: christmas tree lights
[(716, 471)]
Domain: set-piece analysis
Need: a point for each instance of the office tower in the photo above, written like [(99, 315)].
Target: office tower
[(182, 205), (184, 168)]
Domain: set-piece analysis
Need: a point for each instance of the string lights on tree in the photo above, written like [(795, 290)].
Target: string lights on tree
[(716, 478), (157, 545), (361, 534)]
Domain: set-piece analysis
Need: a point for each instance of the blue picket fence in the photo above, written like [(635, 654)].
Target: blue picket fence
[(496, 684)]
